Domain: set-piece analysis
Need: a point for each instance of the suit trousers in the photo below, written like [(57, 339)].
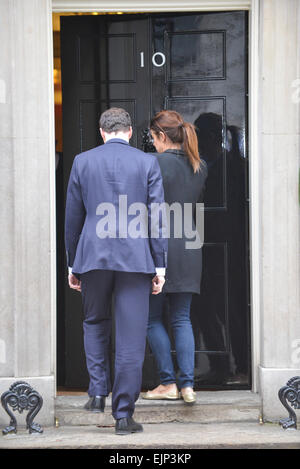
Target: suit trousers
[(128, 292)]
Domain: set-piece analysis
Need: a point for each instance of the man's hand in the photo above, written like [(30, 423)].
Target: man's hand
[(74, 282), (157, 284)]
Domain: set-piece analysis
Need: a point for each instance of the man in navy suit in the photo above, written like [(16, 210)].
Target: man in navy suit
[(112, 253)]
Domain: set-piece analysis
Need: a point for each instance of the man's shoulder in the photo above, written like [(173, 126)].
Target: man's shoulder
[(139, 155), (146, 158), (87, 153), (150, 157)]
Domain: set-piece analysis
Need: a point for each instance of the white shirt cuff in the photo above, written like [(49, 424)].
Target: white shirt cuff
[(160, 270)]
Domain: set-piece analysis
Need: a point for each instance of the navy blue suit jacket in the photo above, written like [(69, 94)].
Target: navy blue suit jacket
[(100, 176)]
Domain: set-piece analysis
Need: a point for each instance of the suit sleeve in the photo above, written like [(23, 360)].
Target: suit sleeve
[(157, 222), (74, 215)]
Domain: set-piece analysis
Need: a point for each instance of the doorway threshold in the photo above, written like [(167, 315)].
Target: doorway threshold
[(210, 407), (66, 391)]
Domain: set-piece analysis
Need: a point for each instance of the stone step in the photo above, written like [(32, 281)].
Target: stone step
[(210, 407)]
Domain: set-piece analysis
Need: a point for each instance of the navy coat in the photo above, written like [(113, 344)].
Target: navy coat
[(97, 179), (182, 185)]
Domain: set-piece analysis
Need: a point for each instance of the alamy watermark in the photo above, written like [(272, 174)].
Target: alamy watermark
[(139, 220)]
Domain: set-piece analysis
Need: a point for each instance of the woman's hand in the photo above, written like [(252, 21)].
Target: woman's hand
[(157, 284)]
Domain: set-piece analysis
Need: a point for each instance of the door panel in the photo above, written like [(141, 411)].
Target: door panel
[(205, 79), (100, 69), (195, 64), (205, 57)]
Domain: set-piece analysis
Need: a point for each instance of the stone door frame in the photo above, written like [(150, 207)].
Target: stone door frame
[(136, 6)]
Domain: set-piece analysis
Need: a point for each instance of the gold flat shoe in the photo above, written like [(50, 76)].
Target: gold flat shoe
[(170, 395), (189, 397)]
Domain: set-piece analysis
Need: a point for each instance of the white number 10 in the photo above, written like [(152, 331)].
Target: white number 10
[(163, 59), (157, 54)]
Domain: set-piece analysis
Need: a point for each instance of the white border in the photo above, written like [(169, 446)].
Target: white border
[(254, 188), (147, 6)]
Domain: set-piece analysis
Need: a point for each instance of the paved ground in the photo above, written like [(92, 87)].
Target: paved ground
[(210, 407), (159, 436)]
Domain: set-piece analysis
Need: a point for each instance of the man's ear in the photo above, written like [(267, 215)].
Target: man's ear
[(102, 134), (130, 132)]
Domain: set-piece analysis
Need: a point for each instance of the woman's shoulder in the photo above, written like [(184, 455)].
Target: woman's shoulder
[(166, 158), (178, 159), (171, 155), (164, 154)]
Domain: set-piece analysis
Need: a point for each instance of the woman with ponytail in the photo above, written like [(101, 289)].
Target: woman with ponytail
[(184, 175)]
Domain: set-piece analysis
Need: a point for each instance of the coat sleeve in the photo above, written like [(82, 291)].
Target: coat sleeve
[(74, 215), (199, 223), (157, 221)]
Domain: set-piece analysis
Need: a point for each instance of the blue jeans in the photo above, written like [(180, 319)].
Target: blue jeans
[(159, 341)]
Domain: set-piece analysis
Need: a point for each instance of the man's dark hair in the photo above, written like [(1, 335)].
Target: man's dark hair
[(115, 119)]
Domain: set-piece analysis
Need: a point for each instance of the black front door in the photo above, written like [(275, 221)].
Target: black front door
[(197, 65)]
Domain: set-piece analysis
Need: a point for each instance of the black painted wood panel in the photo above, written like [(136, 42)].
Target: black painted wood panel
[(199, 68)]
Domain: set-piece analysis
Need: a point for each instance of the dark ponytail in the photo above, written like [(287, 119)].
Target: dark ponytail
[(178, 131)]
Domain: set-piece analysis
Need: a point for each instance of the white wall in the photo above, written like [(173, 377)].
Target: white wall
[(27, 182), (279, 152)]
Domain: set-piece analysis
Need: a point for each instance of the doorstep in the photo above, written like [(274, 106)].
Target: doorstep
[(210, 407)]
